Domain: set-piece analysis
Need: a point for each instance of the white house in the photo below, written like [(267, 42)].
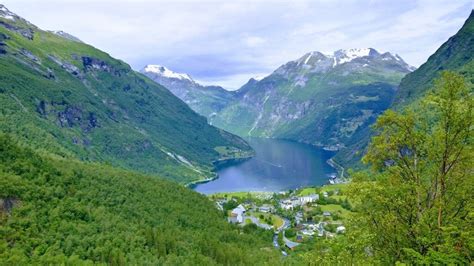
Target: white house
[(265, 208), (341, 229), (286, 204), (307, 232), (238, 213), (239, 210), (309, 198)]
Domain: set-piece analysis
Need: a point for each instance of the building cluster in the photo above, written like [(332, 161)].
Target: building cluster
[(293, 217), (311, 229), (293, 202)]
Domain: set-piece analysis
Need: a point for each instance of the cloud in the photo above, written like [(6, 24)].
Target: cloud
[(253, 41), (227, 42), (231, 82)]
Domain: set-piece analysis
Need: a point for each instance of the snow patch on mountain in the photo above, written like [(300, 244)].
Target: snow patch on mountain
[(6, 14), (258, 78), (65, 35), (320, 62), (307, 58), (344, 56), (165, 72)]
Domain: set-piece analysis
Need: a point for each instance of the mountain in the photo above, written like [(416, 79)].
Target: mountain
[(324, 100), (55, 212), (67, 97), (63, 104), (205, 100), (66, 35), (456, 54)]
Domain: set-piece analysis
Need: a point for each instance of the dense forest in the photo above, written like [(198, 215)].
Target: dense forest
[(55, 211)]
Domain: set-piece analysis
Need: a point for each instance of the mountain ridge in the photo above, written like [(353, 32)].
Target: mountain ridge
[(303, 99), (205, 100), (94, 107), (456, 54)]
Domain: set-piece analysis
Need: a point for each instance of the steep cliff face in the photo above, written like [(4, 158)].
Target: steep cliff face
[(67, 97), (320, 99)]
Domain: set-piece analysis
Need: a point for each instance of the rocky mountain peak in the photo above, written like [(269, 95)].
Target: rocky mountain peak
[(165, 72), (66, 35), (343, 56), (311, 58), (15, 23), (7, 14), (318, 62), (258, 78)]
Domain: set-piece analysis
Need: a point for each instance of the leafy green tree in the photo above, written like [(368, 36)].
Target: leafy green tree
[(290, 232), (416, 201)]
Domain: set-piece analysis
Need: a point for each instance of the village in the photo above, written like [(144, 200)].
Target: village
[(296, 216)]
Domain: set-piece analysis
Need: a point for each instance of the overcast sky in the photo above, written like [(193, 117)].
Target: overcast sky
[(227, 42)]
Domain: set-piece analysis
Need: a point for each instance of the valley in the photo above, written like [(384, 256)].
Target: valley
[(278, 165), (346, 157), (326, 100)]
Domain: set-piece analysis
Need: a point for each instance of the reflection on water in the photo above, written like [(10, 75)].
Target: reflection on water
[(278, 165)]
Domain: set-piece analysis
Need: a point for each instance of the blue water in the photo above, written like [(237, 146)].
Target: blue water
[(278, 165)]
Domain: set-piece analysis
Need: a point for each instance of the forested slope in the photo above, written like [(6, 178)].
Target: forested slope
[(456, 54), (54, 211), (72, 99)]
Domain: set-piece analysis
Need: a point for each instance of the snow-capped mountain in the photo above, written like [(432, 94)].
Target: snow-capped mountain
[(360, 57), (205, 100), (258, 78), (165, 72), (322, 99)]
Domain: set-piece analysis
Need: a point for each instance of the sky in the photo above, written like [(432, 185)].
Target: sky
[(224, 42)]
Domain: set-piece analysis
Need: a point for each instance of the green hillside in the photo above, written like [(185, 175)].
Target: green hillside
[(69, 98), (456, 54), (56, 211)]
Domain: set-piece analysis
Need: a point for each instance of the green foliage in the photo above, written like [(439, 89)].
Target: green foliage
[(319, 125), (74, 100), (330, 227), (414, 206), (346, 204), (290, 232), (341, 250), (69, 212), (230, 205), (417, 200), (456, 54)]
